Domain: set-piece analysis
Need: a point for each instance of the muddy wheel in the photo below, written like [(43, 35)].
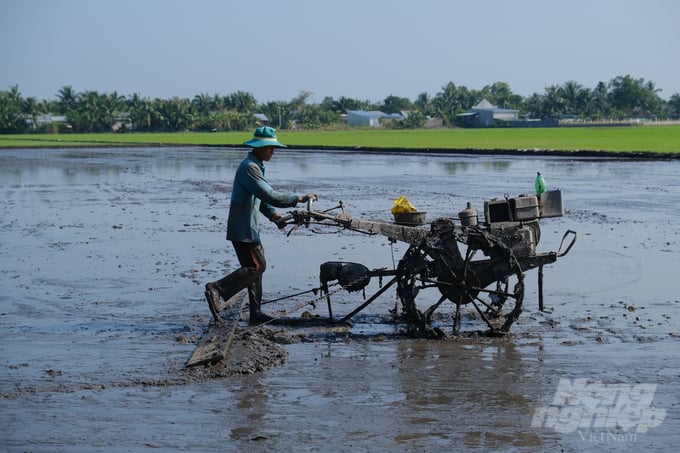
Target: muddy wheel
[(500, 307), (493, 285), (409, 267), (486, 279)]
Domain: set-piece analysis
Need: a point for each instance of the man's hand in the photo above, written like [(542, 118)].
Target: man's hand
[(309, 196), (279, 220)]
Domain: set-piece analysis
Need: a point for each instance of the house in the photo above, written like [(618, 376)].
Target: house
[(485, 114), (43, 120), (362, 118), (431, 123), (261, 118)]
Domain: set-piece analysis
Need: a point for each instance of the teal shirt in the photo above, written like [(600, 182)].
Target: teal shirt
[(252, 194)]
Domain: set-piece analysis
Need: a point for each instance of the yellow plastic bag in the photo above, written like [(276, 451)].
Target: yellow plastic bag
[(402, 204)]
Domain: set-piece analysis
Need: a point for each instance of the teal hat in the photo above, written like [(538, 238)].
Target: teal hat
[(264, 136)]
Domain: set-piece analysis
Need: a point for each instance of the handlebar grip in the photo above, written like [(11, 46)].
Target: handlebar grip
[(283, 221)]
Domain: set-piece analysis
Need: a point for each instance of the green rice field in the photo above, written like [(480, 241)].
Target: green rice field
[(645, 139)]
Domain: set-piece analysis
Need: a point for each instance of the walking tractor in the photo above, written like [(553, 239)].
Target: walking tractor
[(471, 265)]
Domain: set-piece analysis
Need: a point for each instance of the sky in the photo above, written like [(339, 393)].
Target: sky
[(360, 49)]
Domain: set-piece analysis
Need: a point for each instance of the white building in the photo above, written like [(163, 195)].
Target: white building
[(485, 114), (362, 118)]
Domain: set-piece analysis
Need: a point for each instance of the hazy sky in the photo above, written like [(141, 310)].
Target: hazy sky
[(362, 49)]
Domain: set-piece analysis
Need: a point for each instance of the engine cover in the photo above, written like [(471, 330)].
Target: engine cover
[(521, 238)]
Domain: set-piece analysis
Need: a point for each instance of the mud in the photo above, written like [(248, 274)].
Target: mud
[(104, 254)]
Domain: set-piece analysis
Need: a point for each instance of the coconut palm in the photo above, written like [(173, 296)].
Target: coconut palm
[(674, 106), (241, 101), (203, 104), (31, 108), (66, 99), (11, 120), (141, 113), (573, 97), (174, 114)]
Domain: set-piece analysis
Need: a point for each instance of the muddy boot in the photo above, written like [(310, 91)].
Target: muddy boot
[(212, 295), (256, 315), (259, 318)]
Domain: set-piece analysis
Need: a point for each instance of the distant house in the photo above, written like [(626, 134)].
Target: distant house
[(485, 114), (122, 122), (431, 123), (42, 120), (362, 118), (261, 118)]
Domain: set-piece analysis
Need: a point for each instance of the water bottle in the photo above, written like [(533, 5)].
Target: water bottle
[(539, 184)]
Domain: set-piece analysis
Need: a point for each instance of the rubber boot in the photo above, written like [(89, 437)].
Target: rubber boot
[(212, 296), (257, 317), (255, 302), (225, 289)]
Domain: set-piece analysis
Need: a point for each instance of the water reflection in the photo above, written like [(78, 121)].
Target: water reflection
[(92, 165), (416, 393), (447, 383), (587, 184)]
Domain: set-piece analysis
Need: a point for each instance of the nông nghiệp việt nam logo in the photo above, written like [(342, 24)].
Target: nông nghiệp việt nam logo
[(580, 405)]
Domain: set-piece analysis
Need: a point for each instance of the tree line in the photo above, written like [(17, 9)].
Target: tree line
[(623, 97)]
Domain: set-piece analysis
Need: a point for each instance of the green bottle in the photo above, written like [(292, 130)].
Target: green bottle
[(539, 184)]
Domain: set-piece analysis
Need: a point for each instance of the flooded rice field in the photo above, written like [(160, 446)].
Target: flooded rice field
[(104, 255)]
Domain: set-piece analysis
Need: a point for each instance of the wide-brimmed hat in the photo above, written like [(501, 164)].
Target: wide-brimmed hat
[(264, 136)]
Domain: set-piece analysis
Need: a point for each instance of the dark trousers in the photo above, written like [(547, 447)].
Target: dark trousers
[(249, 275)]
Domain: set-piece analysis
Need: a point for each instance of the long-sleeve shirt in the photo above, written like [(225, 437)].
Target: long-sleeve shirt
[(252, 194)]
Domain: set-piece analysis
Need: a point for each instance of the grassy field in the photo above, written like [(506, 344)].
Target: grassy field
[(653, 139)]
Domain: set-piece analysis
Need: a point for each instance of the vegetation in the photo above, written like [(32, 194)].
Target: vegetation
[(621, 98), (657, 139)]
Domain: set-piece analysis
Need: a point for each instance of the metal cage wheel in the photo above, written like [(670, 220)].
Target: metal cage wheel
[(484, 284)]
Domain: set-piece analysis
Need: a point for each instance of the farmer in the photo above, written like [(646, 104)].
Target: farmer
[(251, 194)]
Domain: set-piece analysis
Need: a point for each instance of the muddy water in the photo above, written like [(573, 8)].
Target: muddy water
[(104, 253)]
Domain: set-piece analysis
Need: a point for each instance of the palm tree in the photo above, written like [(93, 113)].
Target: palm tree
[(445, 103), (651, 102), (533, 106), (298, 109), (600, 100), (174, 114), (15, 95), (242, 102), (66, 99), (277, 112), (89, 107), (553, 105), (203, 104), (32, 109), (674, 106), (572, 97), (112, 111), (498, 93), (98, 112), (141, 113), (423, 103), (11, 120)]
